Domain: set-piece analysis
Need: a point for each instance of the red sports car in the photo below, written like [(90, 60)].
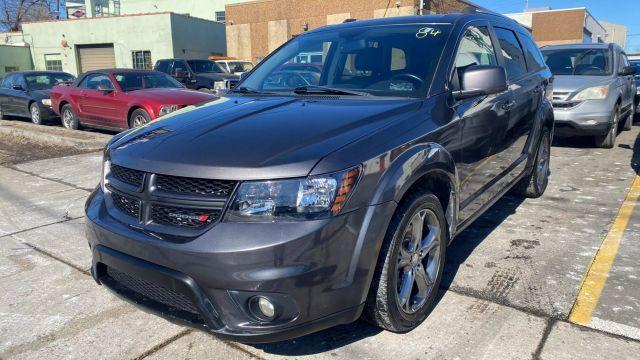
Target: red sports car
[(121, 99)]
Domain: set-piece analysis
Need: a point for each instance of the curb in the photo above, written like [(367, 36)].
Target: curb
[(48, 135)]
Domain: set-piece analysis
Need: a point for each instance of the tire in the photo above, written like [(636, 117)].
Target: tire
[(608, 140), (1, 114), (389, 304), (138, 118), (36, 115), (628, 124), (69, 118), (534, 185)]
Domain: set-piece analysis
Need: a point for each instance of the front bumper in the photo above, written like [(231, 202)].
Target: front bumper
[(207, 282), (46, 112), (591, 117)]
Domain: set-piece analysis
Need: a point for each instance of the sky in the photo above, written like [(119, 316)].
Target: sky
[(626, 12)]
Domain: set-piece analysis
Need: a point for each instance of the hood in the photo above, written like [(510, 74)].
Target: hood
[(40, 94), (218, 76), (244, 138), (173, 96), (573, 83)]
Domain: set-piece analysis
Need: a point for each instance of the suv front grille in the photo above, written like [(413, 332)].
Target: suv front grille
[(127, 176), (173, 205), (185, 217), (126, 204), (194, 186)]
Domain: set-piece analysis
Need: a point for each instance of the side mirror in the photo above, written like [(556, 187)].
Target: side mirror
[(179, 73), (480, 80), (17, 87), (628, 70)]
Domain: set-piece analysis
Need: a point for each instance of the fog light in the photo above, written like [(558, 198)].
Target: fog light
[(262, 308)]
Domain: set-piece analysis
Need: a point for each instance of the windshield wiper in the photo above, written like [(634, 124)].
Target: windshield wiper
[(246, 90), (314, 89)]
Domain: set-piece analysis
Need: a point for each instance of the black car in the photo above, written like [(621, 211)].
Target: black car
[(274, 212), (26, 94), (201, 75)]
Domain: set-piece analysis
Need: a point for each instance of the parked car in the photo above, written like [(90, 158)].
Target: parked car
[(237, 67), (27, 94), (202, 75), (594, 90), (117, 99), (636, 63), (270, 214)]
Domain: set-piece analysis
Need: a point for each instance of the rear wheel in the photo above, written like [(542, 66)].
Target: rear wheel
[(609, 139), (36, 116), (534, 185), (410, 265), (69, 118), (138, 118)]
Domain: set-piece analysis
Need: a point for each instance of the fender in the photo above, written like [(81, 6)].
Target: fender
[(411, 166)]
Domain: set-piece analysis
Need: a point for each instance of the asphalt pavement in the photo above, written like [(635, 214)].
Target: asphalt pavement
[(510, 288)]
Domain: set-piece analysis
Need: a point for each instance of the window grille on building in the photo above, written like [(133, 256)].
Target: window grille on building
[(53, 62), (220, 16), (142, 60)]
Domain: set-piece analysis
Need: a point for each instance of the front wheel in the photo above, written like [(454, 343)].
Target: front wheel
[(138, 118), (36, 117), (609, 139), (410, 265)]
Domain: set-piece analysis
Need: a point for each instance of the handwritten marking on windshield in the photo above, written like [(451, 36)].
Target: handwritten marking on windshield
[(427, 31)]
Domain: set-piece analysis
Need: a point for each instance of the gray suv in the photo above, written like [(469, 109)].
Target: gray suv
[(283, 208), (594, 90)]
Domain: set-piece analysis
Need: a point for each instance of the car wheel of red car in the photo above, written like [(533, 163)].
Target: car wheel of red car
[(69, 118), (138, 118)]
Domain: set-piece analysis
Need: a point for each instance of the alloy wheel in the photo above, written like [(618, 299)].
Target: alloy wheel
[(139, 120), (35, 114), (418, 261), (67, 117)]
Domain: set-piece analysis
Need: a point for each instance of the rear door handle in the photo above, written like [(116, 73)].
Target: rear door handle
[(508, 105)]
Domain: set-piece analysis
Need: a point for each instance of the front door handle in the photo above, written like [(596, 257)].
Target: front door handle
[(508, 105)]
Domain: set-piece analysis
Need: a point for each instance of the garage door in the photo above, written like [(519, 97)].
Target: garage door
[(95, 57)]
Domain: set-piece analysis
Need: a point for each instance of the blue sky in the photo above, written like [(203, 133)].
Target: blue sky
[(626, 12)]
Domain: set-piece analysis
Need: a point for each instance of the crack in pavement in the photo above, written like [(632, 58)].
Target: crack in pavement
[(61, 182)]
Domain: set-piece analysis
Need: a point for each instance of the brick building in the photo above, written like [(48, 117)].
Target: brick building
[(561, 26), (254, 29)]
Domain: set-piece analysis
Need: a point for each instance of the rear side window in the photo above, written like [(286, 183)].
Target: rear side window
[(511, 52), (96, 82), (532, 54)]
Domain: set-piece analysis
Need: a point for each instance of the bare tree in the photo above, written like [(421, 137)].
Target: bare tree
[(14, 12)]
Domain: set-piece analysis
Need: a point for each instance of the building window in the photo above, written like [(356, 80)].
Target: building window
[(220, 17), (142, 59), (53, 62), (8, 69)]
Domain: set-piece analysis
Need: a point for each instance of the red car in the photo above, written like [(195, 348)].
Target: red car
[(120, 99)]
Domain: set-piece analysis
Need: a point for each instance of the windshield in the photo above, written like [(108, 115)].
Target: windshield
[(204, 66), (595, 62), (240, 66), (131, 81), (45, 81), (379, 61)]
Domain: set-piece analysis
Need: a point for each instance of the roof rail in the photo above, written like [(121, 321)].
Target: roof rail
[(349, 20), (478, 10)]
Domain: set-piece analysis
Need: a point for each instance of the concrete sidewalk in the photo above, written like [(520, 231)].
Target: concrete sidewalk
[(510, 284)]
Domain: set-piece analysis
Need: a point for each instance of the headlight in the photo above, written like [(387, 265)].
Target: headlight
[(219, 85), (46, 102), (167, 109), (293, 199), (106, 167), (593, 93)]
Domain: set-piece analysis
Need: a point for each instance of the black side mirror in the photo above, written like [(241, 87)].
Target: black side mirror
[(628, 70), (17, 87), (481, 80)]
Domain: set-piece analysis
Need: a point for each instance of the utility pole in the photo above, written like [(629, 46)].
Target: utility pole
[(526, 5), (57, 11)]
